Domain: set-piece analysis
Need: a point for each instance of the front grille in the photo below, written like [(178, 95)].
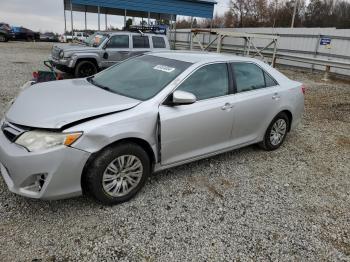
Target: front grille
[(11, 131)]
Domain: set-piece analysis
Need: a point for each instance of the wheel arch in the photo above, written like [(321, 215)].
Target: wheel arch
[(138, 141), (290, 117), (90, 59)]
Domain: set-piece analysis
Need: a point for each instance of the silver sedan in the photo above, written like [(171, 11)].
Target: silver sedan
[(104, 135)]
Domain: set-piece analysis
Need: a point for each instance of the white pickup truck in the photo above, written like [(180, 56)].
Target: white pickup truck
[(79, 36)]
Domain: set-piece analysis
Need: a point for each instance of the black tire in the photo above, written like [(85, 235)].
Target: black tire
[(96, 169), (85, 69), (3, 38), (267, 144)]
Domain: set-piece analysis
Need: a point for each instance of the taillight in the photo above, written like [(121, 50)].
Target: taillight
[(303, 89)]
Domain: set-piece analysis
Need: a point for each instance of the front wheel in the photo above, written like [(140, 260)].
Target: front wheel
[(85, 69), (117, 173), (276, 132)]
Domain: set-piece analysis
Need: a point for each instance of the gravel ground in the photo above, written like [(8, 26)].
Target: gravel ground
[(290, 204)]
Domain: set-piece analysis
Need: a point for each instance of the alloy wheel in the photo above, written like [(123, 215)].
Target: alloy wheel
[(122, 175), (278, 131)]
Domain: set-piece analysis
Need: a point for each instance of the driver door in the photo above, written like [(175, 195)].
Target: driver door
[(190, 131), (117, 49)]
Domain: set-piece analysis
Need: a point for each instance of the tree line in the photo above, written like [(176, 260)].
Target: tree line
[(277, 13)]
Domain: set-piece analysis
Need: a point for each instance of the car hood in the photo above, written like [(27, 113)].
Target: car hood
[(59, 103), (74, 48)]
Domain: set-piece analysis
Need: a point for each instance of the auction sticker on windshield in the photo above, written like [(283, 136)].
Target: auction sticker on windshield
[(164, 68)]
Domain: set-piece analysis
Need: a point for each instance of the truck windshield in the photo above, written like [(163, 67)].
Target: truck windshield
[(95, 40), (141, 77)]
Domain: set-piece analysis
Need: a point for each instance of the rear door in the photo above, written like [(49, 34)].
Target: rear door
[(190, 131), (117, 49), (256, 102)]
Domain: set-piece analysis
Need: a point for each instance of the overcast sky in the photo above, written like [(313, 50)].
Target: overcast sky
[(47, 15)]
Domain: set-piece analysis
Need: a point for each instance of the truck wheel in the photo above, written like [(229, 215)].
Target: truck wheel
[(85, 69), (3, 38)]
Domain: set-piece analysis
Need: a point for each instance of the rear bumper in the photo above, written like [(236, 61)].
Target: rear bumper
[(51, 174)]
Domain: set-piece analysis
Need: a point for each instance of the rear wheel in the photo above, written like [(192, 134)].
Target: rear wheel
[(117, 173), (276, 132), (85, 69)]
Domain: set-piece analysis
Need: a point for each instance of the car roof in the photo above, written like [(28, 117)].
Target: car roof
[(199, 57)]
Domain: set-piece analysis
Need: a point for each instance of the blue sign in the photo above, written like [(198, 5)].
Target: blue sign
[(325, 41)]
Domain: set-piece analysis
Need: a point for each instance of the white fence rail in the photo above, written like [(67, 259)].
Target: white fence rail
[(299, 47)]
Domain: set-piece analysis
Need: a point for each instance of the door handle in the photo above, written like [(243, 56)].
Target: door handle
[(227, 106), (276, 96)]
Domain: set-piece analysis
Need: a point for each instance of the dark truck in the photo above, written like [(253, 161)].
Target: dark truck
[(22, 33)]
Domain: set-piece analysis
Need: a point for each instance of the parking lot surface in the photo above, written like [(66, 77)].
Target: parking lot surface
[(248, 204)]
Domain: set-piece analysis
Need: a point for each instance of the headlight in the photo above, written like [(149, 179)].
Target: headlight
[(41, 140), (61, 54)]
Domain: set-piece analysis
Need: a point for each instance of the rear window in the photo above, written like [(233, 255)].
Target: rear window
[(158, 42), (140, 41)]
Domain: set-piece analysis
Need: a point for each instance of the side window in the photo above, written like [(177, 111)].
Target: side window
[(250, 77), (207, 82), (140, 41), (269, 80), (118, 41), (158, 42)]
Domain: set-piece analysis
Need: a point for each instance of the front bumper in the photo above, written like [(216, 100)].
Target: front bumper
[(59, 169), (63, 63)]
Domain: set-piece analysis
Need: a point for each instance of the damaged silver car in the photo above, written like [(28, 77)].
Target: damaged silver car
[(104, 135)]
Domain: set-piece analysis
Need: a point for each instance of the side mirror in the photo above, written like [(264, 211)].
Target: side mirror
[(183, 98)]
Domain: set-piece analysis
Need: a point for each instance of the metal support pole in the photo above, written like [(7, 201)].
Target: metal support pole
[(249, 44), (106, 20), (175, 32), (191, 40), (326, 73), (85, 19), (99, 22), (64, 13), (316, 51), (149, 17), (219, 44), (124, 18), (71, 19), (273, 63), (211, 28), (171, 27), (191, 36)]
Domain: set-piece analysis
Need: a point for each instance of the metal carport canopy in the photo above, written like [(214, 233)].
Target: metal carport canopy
[(138, 8)]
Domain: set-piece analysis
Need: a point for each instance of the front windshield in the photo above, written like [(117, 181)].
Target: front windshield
[(95, 40), (141, 77)]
